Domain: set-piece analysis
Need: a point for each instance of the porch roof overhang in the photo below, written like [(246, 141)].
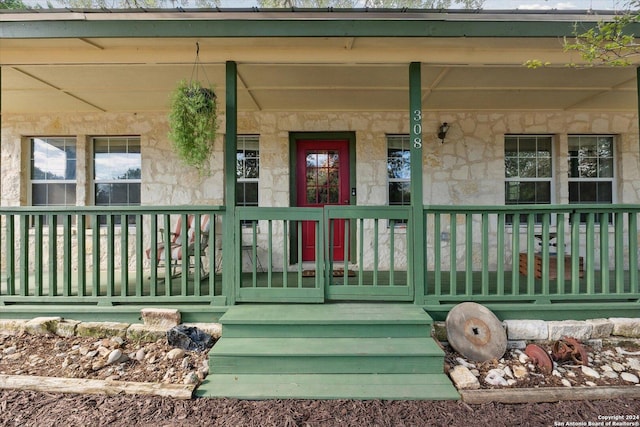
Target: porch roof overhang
[(301, 60)]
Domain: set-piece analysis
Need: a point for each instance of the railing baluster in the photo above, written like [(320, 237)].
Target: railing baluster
[(360, 251), (376, 252), (619, 251), (484, 238), (546, 258), (575, 253), (590, 253), (139, 256), (124, 255), (66, 254), (53, 254), (184, 262), (285, 251), (500, 254), (392, 246), (453, 227), (515, 254), (530, 253), (153, 254), (11, 254), (633, 252), (270, 252), (604, 253), (468, 265), (254, 255), (560, 279), (24, 255), (81, 225), (437, 253), (96, 255), (38, 255), (111, 253)]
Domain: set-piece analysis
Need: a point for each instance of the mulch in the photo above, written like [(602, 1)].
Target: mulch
[(25, 408)]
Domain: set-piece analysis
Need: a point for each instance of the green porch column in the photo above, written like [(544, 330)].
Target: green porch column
[(418, 235), (230, 146), (638, 90)]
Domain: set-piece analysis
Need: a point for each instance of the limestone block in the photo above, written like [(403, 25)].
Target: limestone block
[(463, 378), (516, 344), (626, 327), (526, 329), (66, 327), (166, 318), (439, 331), (569, 328), (42, 325), (12, 326), (601, 328), (213, 329), (145, 333), (102, 329)]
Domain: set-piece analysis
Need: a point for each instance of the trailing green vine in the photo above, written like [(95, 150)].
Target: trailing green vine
[(193, 123)]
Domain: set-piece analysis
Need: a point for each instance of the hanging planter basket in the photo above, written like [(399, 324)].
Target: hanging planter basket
[(193, 122)]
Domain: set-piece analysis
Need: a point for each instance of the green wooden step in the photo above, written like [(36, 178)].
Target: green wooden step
[(326, 355), (330, 386), (327, 320)]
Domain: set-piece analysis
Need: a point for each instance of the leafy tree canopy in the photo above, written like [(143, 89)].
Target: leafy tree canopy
[(12, 4)]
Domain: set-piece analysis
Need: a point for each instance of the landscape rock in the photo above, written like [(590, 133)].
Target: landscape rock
[(143, 333), (463, 378), (102, 329), (42, 325), (600, 328), (496, 377), (66, 328), (633, 363), (569, 328), (629, 377), (164, 318), (114, 356), (626, 327), (213, 329), (526, 329), (565, 382), (12, 326), (590, 372), (176, 353)]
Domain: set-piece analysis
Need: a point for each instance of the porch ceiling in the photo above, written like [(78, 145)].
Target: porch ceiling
[(302, 74)]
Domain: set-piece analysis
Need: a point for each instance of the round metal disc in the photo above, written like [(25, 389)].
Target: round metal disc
[(475, 332)]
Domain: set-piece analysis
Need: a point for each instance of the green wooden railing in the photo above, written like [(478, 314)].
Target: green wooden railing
[(108, 255), (268, 245), (534, 253)]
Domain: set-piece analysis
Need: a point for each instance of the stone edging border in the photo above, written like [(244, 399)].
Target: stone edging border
[(548, 394), (92, 386)]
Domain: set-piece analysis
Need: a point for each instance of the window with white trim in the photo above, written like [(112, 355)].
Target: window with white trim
[(117, 165), (399, 171), (53, 171), (591, 170), (247, 170), (528, 166)]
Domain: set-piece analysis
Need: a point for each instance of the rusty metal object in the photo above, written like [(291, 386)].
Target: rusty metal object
[(540, 357), (570, 348)]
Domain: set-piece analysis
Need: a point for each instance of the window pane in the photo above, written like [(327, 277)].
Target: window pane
[(53, 158), (605, 169), (399, 193), (117, 159), (103, 194)]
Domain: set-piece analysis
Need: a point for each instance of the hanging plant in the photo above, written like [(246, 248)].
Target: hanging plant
[(193, 123)]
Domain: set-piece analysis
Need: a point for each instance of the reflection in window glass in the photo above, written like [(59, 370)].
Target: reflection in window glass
[(117, 166), (528, 170), (398, 171), (322, 177), (591, 169), (247, 170), (53, 171)]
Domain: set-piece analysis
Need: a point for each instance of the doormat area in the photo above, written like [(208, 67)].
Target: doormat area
[(336, 273)]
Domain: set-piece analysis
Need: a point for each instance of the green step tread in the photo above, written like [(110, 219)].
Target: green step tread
[(326, 347), (326, 314), (329, 386)]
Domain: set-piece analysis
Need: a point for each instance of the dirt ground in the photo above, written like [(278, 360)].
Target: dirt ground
[(74, 357), (23, 408)]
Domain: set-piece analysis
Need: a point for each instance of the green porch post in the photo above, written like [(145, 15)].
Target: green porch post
[(638, 90), (418, 235), (230, 147)]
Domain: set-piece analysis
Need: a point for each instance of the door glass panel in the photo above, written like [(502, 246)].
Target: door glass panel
[(323, 177)]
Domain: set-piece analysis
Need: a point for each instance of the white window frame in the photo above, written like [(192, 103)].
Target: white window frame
[(611, 179), (33, 181), (97, 181)]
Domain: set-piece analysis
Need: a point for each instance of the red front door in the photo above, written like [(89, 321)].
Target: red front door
[(322, 179)]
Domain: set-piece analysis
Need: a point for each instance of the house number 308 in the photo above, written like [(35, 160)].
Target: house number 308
[(417, 129)]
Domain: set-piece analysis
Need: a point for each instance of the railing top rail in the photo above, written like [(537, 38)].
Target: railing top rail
[(110, 209), (284, 213), (581, 208), (384, 212)]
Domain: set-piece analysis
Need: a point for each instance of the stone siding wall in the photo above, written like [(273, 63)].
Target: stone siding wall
[(467, 169)]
